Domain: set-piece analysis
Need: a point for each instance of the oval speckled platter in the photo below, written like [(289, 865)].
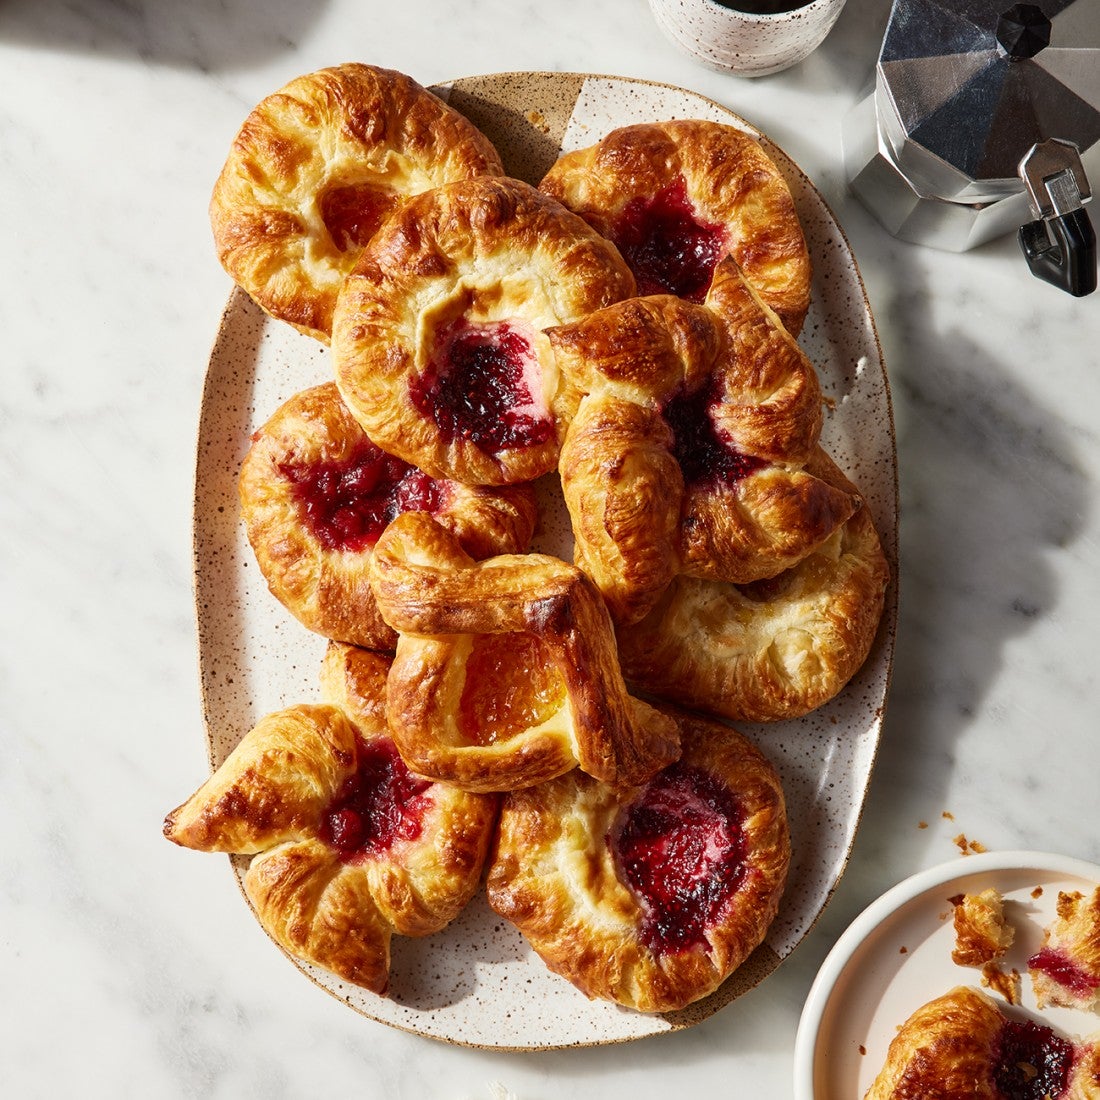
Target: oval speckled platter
[(476, 983)]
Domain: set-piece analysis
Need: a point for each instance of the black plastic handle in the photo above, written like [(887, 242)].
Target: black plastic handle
[(1062, 250)]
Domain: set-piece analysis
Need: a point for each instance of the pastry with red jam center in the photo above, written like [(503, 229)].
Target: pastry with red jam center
[(317, 167), (1066, 969), (347, 846), (316, 494), (678, 197), (962, 1047), (688, 452), (438, 340), (650, 896), (506, 673)]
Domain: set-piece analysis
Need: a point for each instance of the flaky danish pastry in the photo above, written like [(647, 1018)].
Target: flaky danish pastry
[(506, 673), (772, 649), (649, 897), (982, 934), (962, 1047), (687, 452), (315, 495), (438, 337), (676, 197), (348, 846), (317, 167), (1066, 969)]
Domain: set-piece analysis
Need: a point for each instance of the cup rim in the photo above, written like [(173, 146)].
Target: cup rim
[(775, 16)]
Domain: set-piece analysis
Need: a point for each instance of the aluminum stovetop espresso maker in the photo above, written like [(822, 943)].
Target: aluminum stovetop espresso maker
[(985, 117)]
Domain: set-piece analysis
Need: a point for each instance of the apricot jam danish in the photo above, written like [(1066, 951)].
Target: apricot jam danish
[(651, 896), (772, 649), (438, 339), (316, 494), (317, 167), (506, 673), (348, 846), (687, 452), (962, 1047), (676, 197)]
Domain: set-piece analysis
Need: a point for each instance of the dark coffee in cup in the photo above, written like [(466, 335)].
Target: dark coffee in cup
[(763, 7)]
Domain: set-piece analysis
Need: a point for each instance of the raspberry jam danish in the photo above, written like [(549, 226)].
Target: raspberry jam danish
[(649, 897), (677, 197), (687, 452), (314, 171), (772, 649), (1066, 969), (962, 1047), (316, 494), (438, 339), (348, 847), (506, 673)]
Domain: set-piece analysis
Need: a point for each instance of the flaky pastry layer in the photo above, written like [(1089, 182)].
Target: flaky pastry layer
[(316, 168), (484, 255), (772, 650), (555, 874), (327, 587), (441, 602), (730, 182)]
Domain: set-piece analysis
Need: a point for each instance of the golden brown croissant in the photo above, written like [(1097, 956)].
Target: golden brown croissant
[(438, 338), (687, 452), (649, 897), (961, 1047), (773, 649), (348, 846), (1066, 969), (317, 167), (506, 673), (315, 495), (676, 197)]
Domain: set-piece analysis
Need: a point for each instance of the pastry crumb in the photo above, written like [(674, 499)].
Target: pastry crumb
[(967, 846), (981, 932), (862, 1049), (903, 950), (1037, 892), (922, 824), (947, 815), (1007, 984)]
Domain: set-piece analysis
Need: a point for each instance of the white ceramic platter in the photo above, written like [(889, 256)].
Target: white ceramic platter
[(477, 983), (896, 956)]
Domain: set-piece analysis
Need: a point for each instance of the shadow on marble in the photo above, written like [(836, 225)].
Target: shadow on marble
[(992, 491), (207, 35)]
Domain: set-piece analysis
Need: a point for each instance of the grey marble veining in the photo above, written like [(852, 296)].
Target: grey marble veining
[(133, 969)]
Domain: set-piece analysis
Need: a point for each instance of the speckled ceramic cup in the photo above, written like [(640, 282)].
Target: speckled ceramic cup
[(743, 42)]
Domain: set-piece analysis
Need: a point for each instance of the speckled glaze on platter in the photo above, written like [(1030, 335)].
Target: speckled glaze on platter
[(476, 983)]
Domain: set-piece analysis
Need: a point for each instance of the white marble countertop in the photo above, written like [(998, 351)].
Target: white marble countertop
[(131, 968)]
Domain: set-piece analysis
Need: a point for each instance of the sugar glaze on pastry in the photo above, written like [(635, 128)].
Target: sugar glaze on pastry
[(649, 897), (316, 168)]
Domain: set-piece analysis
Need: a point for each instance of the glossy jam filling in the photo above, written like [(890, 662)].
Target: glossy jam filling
[(704, 456), (381, 803), (348, 504), (510, 686), (1062, 969), (1033, 1063), (680, 849), (667, 247), (353, 214), (482, 386)]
